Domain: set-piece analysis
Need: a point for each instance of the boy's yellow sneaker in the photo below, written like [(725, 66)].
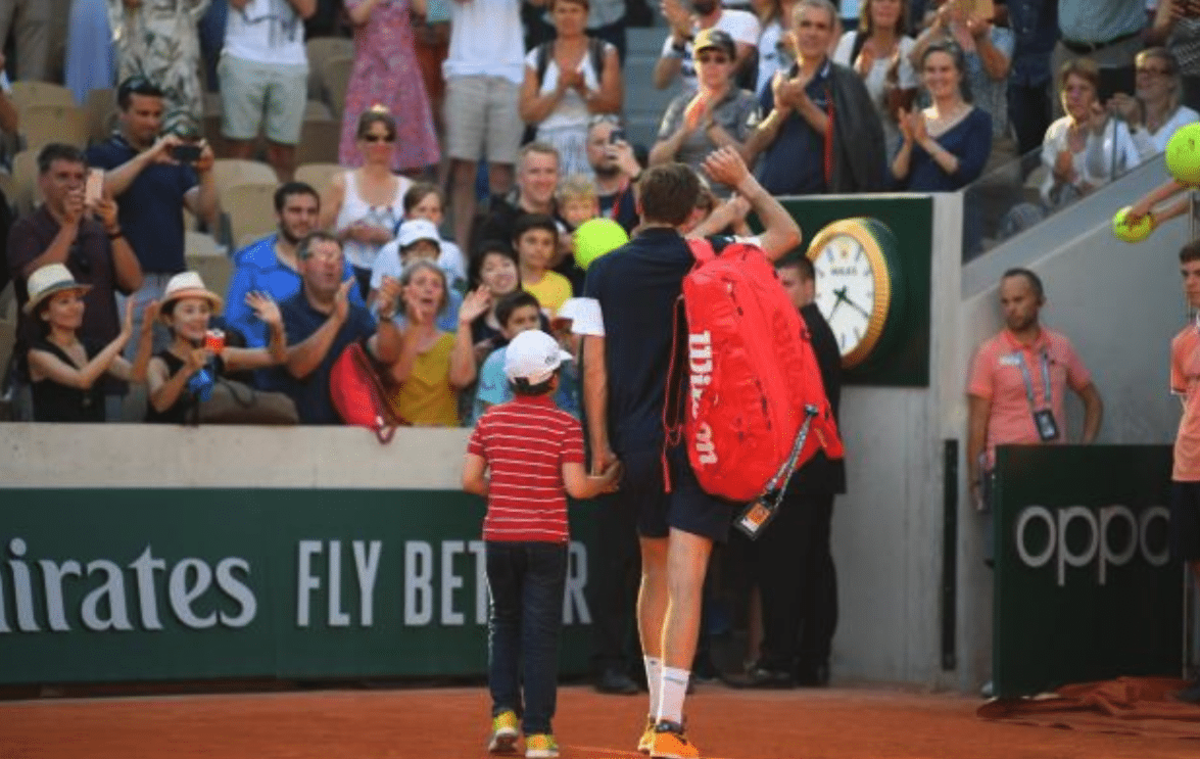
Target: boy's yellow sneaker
[(647, 739), (504, 733), (540, 746), (669, 742)]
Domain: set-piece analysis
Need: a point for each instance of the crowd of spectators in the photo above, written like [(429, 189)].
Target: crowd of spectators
[(916, 96)]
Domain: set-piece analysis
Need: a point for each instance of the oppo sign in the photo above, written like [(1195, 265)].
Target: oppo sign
[(1112, 536)]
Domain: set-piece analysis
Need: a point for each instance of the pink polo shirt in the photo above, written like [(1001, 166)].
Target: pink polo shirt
[(1185, 373), (996, 376)]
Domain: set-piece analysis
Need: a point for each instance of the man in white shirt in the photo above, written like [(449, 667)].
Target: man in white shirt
[(483, 72), (264, 78), (675, 62)]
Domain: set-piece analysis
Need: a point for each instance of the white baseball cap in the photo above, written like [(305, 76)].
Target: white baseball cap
[(533, 356), (414, 230)]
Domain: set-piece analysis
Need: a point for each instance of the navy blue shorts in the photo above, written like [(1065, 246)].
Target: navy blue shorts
[(687, 507), (1185, 521)]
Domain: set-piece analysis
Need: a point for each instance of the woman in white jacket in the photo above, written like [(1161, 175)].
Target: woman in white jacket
[(1087, 147)]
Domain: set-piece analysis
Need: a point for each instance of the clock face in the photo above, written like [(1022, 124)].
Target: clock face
[(845, 290), (855, 288)]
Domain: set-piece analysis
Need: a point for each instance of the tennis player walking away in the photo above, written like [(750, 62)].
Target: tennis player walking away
[(624, 383), (534, 452)]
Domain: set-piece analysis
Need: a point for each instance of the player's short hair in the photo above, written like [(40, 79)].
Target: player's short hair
[(1190, 252), (668, 193)]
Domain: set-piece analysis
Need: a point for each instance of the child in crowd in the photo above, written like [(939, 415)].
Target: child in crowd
[(65, 371), (517, 312), (424, 200), (416, 240), (181, 376), (535, 236), (577, 200), (521, 457)]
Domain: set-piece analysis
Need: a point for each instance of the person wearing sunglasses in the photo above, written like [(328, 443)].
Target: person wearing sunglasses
[(363, 206), (386, 73), (717, 115)]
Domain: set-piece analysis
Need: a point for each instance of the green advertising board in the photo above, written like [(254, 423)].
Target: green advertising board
[(1084, 586), (160, 584)]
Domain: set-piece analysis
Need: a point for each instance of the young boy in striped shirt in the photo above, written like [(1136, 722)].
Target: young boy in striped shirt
[(522, 455)]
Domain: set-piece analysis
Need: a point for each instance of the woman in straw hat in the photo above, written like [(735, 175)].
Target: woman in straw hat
[(197, 355), (64, 371)]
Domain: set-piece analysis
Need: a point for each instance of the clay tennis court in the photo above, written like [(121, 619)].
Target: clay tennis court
[(843, 722)]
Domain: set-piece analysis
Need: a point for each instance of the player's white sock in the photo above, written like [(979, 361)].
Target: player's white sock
[(674, 690), (653, 681)]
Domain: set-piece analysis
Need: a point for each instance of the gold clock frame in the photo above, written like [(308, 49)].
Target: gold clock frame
[(881, 273)]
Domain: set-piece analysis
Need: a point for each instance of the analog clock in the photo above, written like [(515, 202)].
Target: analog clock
[(859, 289)]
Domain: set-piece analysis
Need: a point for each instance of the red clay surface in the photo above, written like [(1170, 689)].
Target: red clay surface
[(841, 723)]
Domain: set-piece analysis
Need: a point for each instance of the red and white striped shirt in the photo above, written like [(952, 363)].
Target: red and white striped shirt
[(525, 443)]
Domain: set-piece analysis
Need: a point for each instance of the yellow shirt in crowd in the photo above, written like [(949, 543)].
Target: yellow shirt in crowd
[(552, 291), (426, 398)]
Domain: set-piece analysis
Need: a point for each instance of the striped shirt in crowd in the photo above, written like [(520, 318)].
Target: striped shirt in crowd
[(525, 443)]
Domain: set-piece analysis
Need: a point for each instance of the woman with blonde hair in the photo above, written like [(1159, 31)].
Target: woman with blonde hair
[(1155, 110), (434, 366)]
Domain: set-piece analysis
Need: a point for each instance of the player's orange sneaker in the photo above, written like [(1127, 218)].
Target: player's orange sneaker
[(669, 742), (647, 739)]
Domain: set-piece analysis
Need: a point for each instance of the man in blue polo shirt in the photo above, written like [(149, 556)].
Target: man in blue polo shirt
[(320, 321), (270, 265), (152, 187), (820, 132), (624, 383)]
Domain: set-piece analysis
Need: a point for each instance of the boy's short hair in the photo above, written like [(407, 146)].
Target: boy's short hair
[(526, 222), (522, 386), (1190, 252), (511, 302), (418, 192), (576, 187)]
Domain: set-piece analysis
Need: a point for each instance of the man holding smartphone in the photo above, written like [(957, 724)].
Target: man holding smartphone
[(615, 169), (154, 177)]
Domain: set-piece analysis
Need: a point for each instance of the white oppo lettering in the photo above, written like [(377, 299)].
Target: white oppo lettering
[(1098, 544), (700, 364)]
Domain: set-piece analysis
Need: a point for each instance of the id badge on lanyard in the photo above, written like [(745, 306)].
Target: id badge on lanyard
[(1043, 418)]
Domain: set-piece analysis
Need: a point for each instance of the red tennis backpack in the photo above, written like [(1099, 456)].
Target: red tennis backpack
[(754, 407)]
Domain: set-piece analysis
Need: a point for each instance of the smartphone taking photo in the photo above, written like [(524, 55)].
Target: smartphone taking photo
[(94, 187), (186, 152)]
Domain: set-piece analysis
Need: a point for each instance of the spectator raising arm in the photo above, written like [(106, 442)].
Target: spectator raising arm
[(126, 269)]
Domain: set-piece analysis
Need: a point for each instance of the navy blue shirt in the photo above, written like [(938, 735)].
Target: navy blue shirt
[(311, 393), (637, 285), (151, 208), (794, 164)]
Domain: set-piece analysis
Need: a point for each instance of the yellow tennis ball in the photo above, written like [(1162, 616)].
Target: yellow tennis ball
[(1183, 155), (596, 237), (1131, 232)]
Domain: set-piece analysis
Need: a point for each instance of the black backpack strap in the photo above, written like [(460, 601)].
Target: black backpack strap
[(676, 390), (542, 61), (596, 51)]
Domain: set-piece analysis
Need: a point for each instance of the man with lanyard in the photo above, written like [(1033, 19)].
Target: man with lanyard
[(615, 169), (1017, 386), (820, 132)]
